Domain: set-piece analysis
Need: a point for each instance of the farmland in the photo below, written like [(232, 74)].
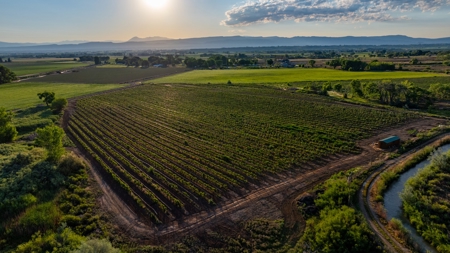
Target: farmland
[(23, 95), (110, 74), (22, 68), (174, 150), (247, 76)]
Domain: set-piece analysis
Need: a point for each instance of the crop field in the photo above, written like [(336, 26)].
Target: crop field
[(28, 68), (246, 76), (107, 75), (23, 95), (175, 150)]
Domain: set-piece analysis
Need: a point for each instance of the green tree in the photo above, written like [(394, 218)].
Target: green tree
[(6, 75), (311, 63), (8, 131), (47, 97), (58, 105), (97, 246), (334, 63), (270, 62), (50, 138), (338, 231), (145, 64), (337, 87), (356, 88), (97, 60), (414, 61)]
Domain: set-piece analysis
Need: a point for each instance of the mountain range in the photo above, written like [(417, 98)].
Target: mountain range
[(161, 43)]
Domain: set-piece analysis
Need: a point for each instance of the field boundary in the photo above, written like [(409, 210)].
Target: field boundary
[(283, 193)]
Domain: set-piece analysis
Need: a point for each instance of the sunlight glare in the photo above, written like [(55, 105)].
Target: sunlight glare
[(156, 4)]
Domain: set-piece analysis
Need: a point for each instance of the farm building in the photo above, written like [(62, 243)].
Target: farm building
[(389, 142)]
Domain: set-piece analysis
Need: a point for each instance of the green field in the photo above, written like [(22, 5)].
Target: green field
[(22, 95), (247, 76), (28, 68), (110, 74), (173, 148)]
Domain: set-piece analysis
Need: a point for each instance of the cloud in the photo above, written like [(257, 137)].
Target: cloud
[(265, 11)]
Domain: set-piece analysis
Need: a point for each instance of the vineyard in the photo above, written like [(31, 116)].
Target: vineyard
[(176, 150)]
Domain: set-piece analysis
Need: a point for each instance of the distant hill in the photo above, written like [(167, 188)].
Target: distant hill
[(154, 38), (224, 42)]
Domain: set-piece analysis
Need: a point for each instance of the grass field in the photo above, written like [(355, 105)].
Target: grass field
[(109, 74), (261, 76), (28, 68), (181, 148), (23, 95)]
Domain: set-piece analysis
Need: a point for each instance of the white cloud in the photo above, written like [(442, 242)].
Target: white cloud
[(265, 11)]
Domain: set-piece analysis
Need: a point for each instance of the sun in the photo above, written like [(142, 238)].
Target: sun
[(156, 4)]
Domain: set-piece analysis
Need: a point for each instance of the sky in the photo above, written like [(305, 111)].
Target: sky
[(119, 20)]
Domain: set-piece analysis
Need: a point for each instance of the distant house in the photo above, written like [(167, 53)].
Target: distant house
[(285, 63), (389, 142)]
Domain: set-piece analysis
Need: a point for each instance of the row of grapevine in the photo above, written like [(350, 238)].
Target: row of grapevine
[(177, 150)]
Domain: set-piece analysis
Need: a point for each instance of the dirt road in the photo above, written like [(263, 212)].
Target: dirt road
[(364, 200), (272, 198)]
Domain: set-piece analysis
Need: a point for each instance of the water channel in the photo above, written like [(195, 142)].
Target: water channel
[(393, 202)]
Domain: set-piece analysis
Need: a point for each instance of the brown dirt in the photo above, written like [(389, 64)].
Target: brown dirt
[(367, 202), (272, 199)]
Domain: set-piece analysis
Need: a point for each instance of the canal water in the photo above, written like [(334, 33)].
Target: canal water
[(393, 202)]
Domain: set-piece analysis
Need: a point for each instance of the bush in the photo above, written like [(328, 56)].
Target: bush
[(50, 138), (8, 132), (65, 240), (70, 164), (58, 105), (96, 246), (338, 230), (6, 75)]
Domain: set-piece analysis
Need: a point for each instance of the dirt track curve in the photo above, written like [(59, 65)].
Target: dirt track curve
[(274, 198), (364, 200)]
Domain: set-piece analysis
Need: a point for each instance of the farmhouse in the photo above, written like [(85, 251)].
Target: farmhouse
[(389, 142)]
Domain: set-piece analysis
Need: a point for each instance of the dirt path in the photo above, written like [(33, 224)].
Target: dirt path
[(274, 198), (364, 200)]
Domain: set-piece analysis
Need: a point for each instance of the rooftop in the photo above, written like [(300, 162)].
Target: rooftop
[(390, 139)]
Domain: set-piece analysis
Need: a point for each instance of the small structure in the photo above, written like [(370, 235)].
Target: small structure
[(389, 142)]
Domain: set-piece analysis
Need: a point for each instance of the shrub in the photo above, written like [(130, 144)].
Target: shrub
[(96, 246), (8, 132), (70, 164), (58, 105), (50, 138), (6, 75)]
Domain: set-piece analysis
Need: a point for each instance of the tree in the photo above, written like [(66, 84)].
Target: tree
[(47, 97), (8, 131), (9, 60), (58, 105), (6, 75), (414, 61), (311, 63), (97, 60), (334, 63), (338, 231), (50, 138), (1, 60), (97, 246), (337, 87), (145, 64), (356, 88), (270, 62)]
